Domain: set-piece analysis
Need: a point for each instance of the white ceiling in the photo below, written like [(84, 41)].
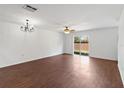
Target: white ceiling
[(55, 17)]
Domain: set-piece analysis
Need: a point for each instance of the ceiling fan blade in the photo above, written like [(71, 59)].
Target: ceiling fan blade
[(72, 30)]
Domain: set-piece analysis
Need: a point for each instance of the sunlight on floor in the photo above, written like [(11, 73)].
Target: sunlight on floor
[(83, 59), (82, 64)]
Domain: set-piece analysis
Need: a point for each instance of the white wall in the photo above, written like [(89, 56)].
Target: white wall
[(68, 43), (17, 47), (103, 42), (121, 46)]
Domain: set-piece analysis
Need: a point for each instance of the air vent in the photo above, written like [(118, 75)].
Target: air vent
[(29, 8)]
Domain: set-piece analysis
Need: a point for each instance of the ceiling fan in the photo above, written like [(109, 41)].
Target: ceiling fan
[(67, 30)]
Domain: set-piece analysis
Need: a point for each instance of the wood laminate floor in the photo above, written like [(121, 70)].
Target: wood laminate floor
[(62, 71)]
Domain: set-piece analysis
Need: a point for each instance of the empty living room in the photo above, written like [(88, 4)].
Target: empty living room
[(61, 45)]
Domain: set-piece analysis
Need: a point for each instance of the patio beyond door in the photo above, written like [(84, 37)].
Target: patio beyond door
[(81, 45)]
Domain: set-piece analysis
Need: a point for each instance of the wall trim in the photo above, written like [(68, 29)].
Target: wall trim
[(104, 58), (30, 60)]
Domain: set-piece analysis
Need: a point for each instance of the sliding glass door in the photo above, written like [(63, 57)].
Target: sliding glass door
[(81, 45)]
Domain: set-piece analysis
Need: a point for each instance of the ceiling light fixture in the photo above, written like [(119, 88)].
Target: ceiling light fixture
[(66, 30), (27, 28)]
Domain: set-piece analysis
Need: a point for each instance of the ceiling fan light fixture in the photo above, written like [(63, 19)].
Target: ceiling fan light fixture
[(66, 31)]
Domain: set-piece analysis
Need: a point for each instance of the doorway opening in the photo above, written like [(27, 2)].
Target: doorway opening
[(81, 45)]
